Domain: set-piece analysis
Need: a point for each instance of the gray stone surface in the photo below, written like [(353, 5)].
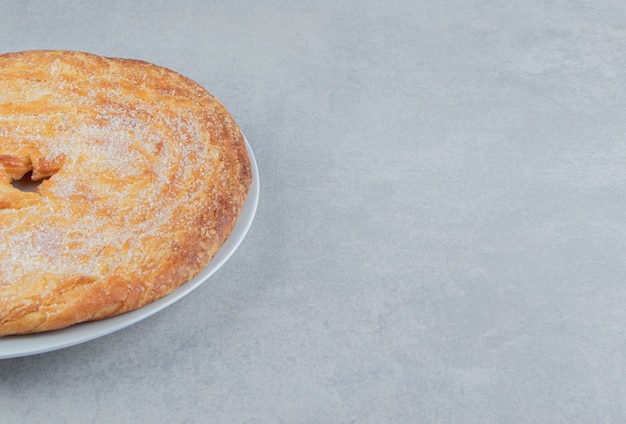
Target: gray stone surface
[(441, 233)]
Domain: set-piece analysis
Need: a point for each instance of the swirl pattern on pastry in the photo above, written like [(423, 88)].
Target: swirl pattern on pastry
[(143, 175)]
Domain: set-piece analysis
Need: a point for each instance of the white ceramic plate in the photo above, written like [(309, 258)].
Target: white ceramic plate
[(16, 346)]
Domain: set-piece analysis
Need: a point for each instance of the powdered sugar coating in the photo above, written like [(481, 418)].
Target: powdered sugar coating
[(147, 177)]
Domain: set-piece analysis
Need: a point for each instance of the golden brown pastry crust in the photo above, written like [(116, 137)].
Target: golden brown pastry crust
[(144, 175)]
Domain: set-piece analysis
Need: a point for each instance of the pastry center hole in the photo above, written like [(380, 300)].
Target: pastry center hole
[(26, 183)]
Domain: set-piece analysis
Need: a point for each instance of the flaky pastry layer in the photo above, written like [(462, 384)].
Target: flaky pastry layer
[(143, 175)]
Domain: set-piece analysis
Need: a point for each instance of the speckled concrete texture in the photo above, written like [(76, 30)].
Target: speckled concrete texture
[(441, 233)]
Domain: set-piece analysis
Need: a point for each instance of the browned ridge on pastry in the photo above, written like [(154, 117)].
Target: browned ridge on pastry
[(143, 175)]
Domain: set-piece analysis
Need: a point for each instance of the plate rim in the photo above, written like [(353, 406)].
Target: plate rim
[(33, 344)]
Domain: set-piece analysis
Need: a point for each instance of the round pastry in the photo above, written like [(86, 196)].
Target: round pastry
[(142, 176)]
